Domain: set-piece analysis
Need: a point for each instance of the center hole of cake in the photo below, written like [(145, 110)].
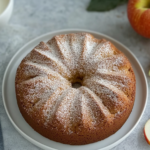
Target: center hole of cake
[(76, 85)]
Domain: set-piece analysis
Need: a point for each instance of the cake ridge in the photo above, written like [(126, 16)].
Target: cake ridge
[(50, 56), (61, 115), (122, 85), (46, 69), (52, 62), (89, 44), (64, 48), (94, 110), (94, 96), (109, 92), (53, 103)]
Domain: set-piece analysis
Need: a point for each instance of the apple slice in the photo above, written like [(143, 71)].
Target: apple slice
[(147, 131)]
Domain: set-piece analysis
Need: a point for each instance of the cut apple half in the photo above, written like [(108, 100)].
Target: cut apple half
[(147, 131)]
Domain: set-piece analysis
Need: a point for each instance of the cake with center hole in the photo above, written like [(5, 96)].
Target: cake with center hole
[(90, 112)]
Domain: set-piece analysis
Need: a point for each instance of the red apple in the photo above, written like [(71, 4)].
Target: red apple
[(147, 131), (139, 16)]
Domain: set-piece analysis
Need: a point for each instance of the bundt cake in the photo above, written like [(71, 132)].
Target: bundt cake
[(53, 107)]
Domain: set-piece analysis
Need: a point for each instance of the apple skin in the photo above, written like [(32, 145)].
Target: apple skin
[(146, 137), (139, 16)]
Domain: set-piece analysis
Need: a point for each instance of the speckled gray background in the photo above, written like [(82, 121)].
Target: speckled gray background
[(35, 17)]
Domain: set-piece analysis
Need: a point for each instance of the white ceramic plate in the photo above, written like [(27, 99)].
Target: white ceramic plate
[(11, 107)]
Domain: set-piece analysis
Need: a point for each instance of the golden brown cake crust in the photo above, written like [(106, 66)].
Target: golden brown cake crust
[(90, 113)]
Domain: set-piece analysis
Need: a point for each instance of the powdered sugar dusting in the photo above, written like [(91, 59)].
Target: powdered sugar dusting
[(107, 91), (100, 57), (111, 63), (44, 77), (93, 108), (90, 44), (48, 59), (63, 112), (77, 41), (53, 103)]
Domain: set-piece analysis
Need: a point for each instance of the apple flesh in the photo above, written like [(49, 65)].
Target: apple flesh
[(139, 16), (147, 131)]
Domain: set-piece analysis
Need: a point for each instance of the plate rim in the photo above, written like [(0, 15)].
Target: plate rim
[(27, 137)]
